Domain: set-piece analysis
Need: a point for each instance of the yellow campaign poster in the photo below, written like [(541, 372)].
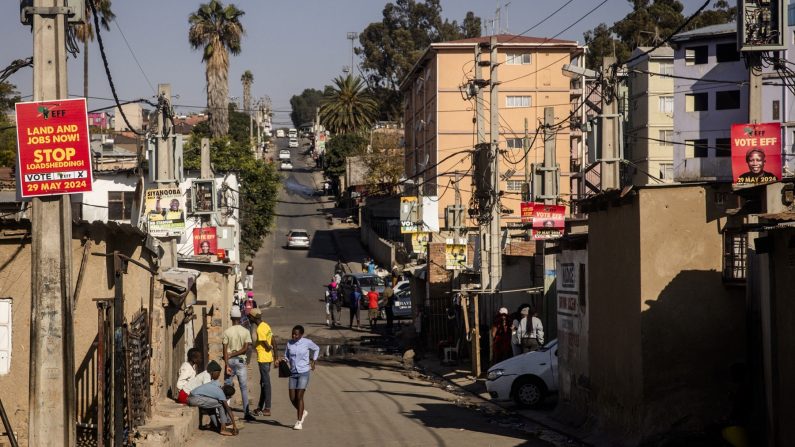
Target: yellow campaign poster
[(165, 212), (419, 242), (455, 256)]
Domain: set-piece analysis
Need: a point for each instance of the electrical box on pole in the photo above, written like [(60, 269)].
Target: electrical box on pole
[(760, 25)]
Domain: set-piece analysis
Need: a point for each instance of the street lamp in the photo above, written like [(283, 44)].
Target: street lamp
[(352, 36)]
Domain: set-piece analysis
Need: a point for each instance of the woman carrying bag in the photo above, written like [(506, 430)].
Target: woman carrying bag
[(300, 356)]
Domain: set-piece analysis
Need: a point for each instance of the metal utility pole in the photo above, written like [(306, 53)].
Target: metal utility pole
[(51, 420), (352, 37), (495, 249), (610, 135)]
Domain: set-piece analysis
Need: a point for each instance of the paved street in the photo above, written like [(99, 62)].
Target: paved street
[(352, 401)]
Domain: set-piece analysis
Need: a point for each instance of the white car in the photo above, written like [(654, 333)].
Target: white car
[(527, 378), (293, 142), (298, 238), (284, 154), (286, 165), (279, 133)]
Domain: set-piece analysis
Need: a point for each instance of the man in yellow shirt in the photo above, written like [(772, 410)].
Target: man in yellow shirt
[(266, 353)]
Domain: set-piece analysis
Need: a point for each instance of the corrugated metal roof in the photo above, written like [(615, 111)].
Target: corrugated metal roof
[(707, 31)]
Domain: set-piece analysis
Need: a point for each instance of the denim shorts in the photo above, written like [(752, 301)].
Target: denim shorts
[(298, 381)]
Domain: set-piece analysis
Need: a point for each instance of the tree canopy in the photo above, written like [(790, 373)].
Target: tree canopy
[(338, 148), (390, 48), (348, 106), (304, 106), (8, 134), (649, 22)]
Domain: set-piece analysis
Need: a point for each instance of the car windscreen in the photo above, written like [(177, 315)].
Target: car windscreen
[(371, 281), (299, 234)]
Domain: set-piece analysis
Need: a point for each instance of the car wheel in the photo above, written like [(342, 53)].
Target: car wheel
[(529, 392)]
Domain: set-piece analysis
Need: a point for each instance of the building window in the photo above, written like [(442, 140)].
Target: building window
[(517, 101), (696, 102), (120, 205), (723, 147), (518, 58), (514, 143), (666, 104), (727, 100), (666, 68), (666, 171), (696, 148), (696, 55), (727, 52), (514, 185), (666, 137), (791, 14), (734, 256), (776, 110)]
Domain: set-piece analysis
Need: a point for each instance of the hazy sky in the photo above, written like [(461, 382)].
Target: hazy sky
[(289, 45)]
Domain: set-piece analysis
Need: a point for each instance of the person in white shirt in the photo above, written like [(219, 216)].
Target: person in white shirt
[(187, 371)]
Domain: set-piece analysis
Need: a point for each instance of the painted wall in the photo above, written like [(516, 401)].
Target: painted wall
[(572, 314)]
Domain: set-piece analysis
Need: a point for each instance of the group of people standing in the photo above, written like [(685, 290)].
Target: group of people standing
[(374, 301), (513, 335)]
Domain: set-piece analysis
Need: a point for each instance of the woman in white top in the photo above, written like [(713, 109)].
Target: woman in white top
[(187, 372)]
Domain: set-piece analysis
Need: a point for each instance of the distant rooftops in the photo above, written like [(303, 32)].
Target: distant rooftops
[(707, 31)]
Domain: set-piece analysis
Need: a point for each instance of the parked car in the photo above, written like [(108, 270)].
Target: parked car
[(279, 133), (363, 280), (286, 165), (402, 308), (284, 154), (527, 378), (402, 285), (293, 142), (298, 238)]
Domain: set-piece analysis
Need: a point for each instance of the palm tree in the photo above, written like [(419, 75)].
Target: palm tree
[(247, 79), (85, 32), (217, 30), (347, 106)]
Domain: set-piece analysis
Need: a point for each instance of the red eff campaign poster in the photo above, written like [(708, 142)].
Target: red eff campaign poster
[(205, 241), (527, 211), (756, 153), (548, 221), (54, 155)]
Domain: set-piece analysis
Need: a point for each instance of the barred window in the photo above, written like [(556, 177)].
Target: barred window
[(735, 256), (120, 205)]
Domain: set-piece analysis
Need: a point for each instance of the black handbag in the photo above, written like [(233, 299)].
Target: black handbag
[(284, 369)]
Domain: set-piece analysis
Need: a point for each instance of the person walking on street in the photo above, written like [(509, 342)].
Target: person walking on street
[(356, 300), (372, 307), (332, 302), (389, 303), (266, 353), (518, 329), (534, 332), (187, 371), (501, 337), (249, 284), (237, 341), (300, 354), (213, 398)]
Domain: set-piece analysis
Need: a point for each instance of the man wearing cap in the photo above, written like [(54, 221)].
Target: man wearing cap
[(266, 352), (212, 373), (212, 397), (237, 341)]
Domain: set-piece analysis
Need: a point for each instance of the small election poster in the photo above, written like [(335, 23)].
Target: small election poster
[(756, 153), (165, 211), (548, 221), (54, 155), (527, 212), (205, 241)]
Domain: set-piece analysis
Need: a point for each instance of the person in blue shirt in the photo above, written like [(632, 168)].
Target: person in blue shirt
[(300, 354), (356, 299), (371, 267), (212, 397)]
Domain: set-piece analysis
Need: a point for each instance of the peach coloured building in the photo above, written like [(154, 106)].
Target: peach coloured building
[(439, 118)]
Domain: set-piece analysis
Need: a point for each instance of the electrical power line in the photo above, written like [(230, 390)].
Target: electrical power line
[(135, 58), (540, 22)]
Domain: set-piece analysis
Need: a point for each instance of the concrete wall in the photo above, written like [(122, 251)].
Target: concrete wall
[(573, 309), (380, 249), (666, 329), (15, 265)]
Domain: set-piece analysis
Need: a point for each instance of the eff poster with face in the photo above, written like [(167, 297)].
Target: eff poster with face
[(205, 241), (756, 153)]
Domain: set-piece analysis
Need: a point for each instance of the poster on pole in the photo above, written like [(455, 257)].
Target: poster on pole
[(455, 254), (54, 149), (165, 212), (409, 215), (756, 153), (527, 212), (205, 241), (548, 221)]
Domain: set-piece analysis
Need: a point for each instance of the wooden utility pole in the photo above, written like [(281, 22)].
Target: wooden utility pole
[(51, 420)]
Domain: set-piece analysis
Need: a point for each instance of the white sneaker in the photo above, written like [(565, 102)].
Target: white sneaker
[(303, 416), (298, 426)]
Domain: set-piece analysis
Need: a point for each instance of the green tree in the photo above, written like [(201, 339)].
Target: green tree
[(347, 106), (84, 32), (385, 165), (338, 148), (304, 106), (390, 48), (720, 13), (259, 180), (247, 79), (601, 42), (216, 29), (8, 133)]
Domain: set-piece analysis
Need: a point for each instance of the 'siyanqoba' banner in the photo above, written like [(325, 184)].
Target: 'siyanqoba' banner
[(54, 150), (756, 153), (165, 211)]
